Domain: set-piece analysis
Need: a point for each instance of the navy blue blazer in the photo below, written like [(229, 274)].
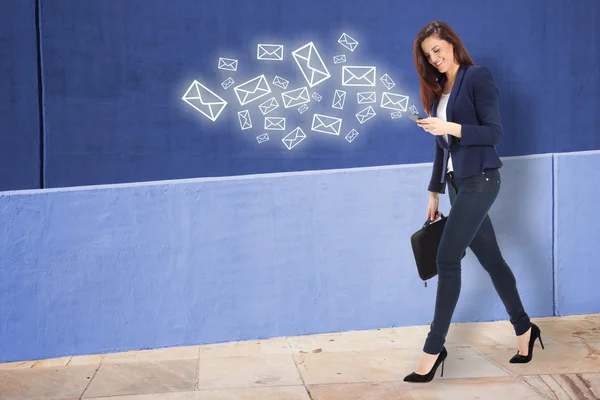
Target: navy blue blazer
[(473, 104)]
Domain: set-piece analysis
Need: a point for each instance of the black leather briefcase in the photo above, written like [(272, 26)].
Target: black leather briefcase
[(425, 244)]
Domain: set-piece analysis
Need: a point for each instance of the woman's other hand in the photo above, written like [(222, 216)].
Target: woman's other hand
[(432, 209)]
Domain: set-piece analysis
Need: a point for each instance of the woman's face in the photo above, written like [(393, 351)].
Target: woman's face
[(439, 53)]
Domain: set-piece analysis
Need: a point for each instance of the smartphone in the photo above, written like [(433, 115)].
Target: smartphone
[(415, 117)]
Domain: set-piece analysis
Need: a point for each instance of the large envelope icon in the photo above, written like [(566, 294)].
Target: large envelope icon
[(204, 101), (311, 64), (292, 139), (252, 90), (275, 123), (325, 124), (269, 52), (295, 97), (358, 76), (396, 102), (268, 106)]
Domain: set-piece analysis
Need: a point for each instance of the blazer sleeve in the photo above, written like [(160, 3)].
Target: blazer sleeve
[(435, 184), (485, 94)]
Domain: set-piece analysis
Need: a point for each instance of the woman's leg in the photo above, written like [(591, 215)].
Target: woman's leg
[(474, 197)]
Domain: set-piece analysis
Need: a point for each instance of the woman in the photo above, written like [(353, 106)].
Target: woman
[(461, 101)]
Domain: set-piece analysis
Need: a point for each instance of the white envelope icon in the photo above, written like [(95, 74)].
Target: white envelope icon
[(302, 109), (292, 139), (311, 64), (227, 83), (339, 59), (244, 118), (269, 52), (387, 81), (358, 76), (262, 138), (326, 124), (365, 115), (396, 114), (252, 90), (366, 97), (274, 123), (396, 102), (339, 98), (346, 41), (228, 64), (204, 101), (268, 106), (351, 135), (295, 97), (280, 82)]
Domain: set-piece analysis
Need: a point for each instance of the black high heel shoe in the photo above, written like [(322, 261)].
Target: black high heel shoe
[(414, 377), (535, 334)]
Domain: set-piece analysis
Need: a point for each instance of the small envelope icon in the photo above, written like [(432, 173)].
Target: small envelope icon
[(351, 135), (396, 102), (366, 97), (292, 139), (358, 76), (245, 121), (268, 106), (280, 82), (339, 59), (396, 114), (252, 90), (269, 52), (365, 115), (326, 124), (275, 123), (295, 97), (262, 138), (339, 98), (228, 64), (204, 101), (346, 41), (387, 81), (311, 64)]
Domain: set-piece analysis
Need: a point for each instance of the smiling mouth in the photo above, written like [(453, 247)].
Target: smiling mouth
[(437, 64)]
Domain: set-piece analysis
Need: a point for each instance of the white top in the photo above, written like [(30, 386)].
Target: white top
[(441, 113)]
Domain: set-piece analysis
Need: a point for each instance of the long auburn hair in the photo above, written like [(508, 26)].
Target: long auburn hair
[(428, 75)]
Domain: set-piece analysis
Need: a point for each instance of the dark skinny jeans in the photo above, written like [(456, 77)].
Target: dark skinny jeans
[(469, 225)]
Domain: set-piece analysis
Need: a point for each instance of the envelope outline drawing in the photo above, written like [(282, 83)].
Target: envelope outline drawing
[(348, 42), (317, 96), (262, 138), (396, 114), (295, 97), (365, 115), (387, 81), (339, 59), (204, 100), (393, 101), (311, 64), (302, 109), (268, 106), (227, 83), (245, 120), (326, 124), (413, 109), (275, 123), (228, 64), (252, 90), (358, 75), (339, 99), (366, 97), (269, 52), (351, 135), (280, 82), (293, 138)]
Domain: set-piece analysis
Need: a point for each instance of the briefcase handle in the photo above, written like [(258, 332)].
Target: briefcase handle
[(428, 222)]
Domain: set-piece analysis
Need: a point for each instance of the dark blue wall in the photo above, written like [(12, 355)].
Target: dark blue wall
[(19, 111)]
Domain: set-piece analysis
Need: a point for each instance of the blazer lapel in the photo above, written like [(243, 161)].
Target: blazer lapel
[(455, 89)]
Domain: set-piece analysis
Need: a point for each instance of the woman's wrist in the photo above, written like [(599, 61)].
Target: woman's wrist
[(455, 129)]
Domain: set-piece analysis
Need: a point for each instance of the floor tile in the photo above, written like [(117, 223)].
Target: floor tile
[(253, 348), (257, 393), (165, 354), (157, 396), (500, 388), (567, 386), (571, 330), (16, 365), (45, 383), (52, 362), (249, 371), (86, 360), (143, 378), (360, 391), (555, 359)]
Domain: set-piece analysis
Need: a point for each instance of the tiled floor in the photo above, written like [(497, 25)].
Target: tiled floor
[(341, 366)]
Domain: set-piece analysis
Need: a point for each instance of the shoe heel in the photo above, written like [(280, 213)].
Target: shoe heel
[(442, 373), (542, 343)]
